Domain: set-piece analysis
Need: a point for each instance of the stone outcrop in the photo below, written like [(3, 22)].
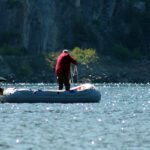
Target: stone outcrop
[(48, 25), (39, 26)]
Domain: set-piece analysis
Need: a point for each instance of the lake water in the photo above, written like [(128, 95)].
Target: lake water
[(121, 121)]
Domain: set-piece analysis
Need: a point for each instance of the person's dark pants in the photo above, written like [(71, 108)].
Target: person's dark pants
[(63, 79), (1, 91)]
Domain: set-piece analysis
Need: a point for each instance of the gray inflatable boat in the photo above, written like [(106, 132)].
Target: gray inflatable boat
[(85, 93)]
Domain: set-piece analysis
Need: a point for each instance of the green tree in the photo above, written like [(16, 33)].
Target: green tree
[(85, 56)]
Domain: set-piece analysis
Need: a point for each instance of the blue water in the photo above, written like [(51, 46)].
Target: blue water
[(121, 121)]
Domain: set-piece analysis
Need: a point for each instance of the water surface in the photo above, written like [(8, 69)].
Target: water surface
[(121, 121)]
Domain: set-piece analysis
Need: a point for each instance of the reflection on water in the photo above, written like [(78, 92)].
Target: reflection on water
[(119, 122)]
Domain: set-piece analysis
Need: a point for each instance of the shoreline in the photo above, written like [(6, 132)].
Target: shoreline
[(106, 71)]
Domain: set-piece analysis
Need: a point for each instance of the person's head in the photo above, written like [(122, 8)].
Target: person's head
[(66, 51)]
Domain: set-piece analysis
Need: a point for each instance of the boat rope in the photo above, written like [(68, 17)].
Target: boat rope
[(74, 74)]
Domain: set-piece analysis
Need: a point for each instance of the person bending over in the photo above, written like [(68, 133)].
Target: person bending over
[(63, 69)]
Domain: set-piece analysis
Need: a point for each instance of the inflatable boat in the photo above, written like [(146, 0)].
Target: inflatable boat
[(85, 93)]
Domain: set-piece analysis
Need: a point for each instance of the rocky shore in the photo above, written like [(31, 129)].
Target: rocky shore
[(36, 70), (133, 72)]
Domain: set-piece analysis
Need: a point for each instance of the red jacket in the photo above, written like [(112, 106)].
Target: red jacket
[(63, 63)]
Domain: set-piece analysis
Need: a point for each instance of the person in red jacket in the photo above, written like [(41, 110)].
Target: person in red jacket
[(63, 69)]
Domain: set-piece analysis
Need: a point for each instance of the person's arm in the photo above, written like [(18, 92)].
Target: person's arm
[(73, 60)]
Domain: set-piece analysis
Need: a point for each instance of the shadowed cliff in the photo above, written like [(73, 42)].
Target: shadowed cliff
[(119, 30), (48, 25)]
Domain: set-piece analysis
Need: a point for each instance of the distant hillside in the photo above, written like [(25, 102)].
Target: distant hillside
[(37, 26), (119, 31)]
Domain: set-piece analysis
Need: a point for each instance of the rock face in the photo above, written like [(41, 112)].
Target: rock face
[(49, 25)]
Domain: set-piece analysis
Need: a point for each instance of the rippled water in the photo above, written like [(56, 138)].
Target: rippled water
[(121, 121)]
